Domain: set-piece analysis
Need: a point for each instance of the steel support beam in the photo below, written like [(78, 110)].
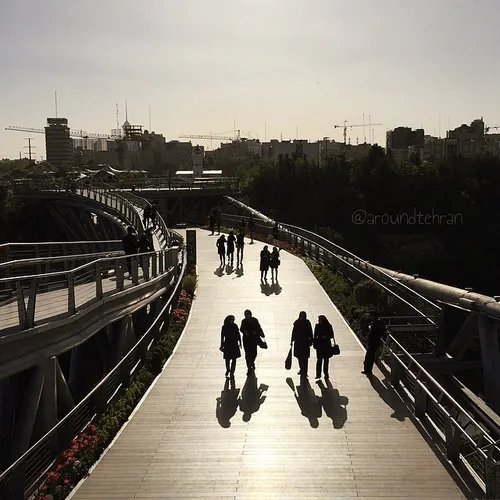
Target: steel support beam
[(490, 355)]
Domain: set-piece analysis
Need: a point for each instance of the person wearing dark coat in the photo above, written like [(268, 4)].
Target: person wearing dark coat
[(252, 332), (130, 247), (146, 214), (251, 228), (230, 344), (152, 215), (144, 245), (323, 335), (302, 340), (377, 330), (221, 249), (274, 262), (275, 233), (265, 257), (231, 240), (211, 223), (240, 243)]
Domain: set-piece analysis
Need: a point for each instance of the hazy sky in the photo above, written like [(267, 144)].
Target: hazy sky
[(201, 64)]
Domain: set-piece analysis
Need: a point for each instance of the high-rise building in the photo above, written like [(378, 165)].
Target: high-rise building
[(58, 143)]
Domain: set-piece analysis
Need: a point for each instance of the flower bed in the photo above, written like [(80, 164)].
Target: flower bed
[(86, 448)]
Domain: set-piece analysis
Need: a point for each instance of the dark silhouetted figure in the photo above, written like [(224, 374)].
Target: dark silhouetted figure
[(377, 330), (251, 228), (230, 344), (153, 215), (227, 403), (274, 262), (146, 216), (265, 257), (252, 331), (252, 397), (231, 241), (323, 335), (217, 216), (276, 233), (130, 248), (144, 245), (302, 340), (240, 243), (221, 249), (211, 223)]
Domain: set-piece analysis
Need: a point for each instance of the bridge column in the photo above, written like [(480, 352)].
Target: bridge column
[(490, 355)]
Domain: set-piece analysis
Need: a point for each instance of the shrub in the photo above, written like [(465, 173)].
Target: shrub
[(189, 284), (369, 294)]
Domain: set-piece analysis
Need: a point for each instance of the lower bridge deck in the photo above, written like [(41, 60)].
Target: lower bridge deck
[(289, 439)]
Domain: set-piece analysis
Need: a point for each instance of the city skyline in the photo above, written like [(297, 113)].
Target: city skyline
[(204, 66)]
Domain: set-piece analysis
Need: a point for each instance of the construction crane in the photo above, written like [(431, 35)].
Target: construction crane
[(216, 137), (345, 127), (73, 132)]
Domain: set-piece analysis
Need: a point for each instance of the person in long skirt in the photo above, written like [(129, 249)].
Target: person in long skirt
[(230, 344), (265, 257), (302, 340), (221, 249), (323, 335), (274, 263), (231, 240)]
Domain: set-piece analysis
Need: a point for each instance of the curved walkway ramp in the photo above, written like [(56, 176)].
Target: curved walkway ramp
[(196, 436)]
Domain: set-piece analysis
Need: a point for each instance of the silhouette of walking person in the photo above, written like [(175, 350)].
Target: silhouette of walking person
[(252, 332), (211, 223), (265, 257), (274, 262), (275, 233), (231, 240), (130, 244), (323, 335), (227, 403), (251, 228), (230, 344), (377, 329), (252, 397), (221, 249), (240, 243), (302, 340)]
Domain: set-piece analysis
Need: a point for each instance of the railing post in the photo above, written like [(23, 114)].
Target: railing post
[(21, 307), (492, 478), (145, 267), (120, 275), (161, 261), (71, 294), (154, 266), (98, 281), (420, 401), (395, 375), (452, 440)]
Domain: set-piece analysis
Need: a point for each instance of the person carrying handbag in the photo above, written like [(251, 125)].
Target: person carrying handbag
[(323, 336)]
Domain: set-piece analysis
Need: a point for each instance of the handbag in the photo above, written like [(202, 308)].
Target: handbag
[(335, 349), (288, 360), (262, 344)]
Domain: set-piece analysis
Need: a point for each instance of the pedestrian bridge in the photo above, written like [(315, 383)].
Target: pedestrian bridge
[(399, 434)]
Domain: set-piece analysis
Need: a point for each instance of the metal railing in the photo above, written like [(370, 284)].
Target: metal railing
[(463, 439), (23, 477), (18, 251), (67, 292)]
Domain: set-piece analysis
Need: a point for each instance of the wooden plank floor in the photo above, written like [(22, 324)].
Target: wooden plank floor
[(54, 303), (348, 440)]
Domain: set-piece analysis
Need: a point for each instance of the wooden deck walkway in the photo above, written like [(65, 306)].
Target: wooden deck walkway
[(350, 439), (53, 304)]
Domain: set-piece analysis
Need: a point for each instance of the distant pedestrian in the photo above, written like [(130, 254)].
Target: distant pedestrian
[(252, 332), (153, 215), (211, 223), (144, 245), (240, 243), (231, 240), (302, 340), (217, 216), (230, 344), (274, 263), (275, 233), (265, 257), (146, 216), (130, 248), (243, 225), (251, 228), (323, 335), (221, 249), (377, 330)]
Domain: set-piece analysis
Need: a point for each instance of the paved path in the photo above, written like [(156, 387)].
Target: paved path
[(52, 304), (350, 439)]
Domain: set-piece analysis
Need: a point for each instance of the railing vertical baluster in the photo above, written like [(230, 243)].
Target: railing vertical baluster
[(154, 266), (98, 281)]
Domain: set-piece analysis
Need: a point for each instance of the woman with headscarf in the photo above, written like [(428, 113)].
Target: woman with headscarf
[(230, 344), (221, 249), (265, 258), (302, 339), (323, 335), (231, 240)]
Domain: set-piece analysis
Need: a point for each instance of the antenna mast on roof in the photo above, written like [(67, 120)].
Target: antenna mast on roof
[(126, 112), (55, 101), (149, 118)]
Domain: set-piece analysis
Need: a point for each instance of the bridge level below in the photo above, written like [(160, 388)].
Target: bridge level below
[(196, 435)]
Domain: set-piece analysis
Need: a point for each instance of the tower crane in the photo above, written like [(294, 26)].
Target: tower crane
[(345, 127), (212, 137), (73, 132)]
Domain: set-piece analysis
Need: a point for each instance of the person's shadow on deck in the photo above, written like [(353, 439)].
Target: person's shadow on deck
[(219, 272), (308, 402), (390, 398), (252, 397), (266, 289), (227, 403), (229, 269), (276, 288), (239, 270), (334, 404)]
